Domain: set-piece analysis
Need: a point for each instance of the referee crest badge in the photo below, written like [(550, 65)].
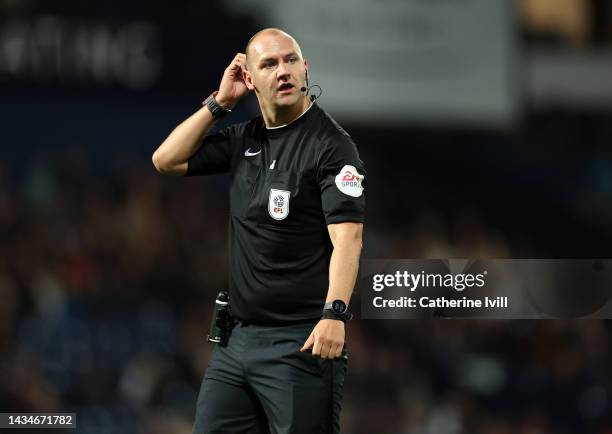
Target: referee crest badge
[(278, 204)]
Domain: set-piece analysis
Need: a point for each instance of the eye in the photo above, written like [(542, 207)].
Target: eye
[(268, 65), (293, 59)]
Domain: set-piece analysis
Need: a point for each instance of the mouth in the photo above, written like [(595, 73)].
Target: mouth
[(285, 88)]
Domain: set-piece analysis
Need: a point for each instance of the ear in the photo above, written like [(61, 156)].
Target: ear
[(248, 81), (306, 66)]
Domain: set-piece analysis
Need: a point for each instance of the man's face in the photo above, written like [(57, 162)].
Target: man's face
[(276, 70)]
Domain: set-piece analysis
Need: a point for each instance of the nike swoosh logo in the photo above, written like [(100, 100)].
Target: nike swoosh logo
[(248, 153)]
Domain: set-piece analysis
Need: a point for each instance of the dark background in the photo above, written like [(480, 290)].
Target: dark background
[(108, 270)]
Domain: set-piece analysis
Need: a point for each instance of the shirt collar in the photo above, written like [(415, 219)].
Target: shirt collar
[(282, 126)]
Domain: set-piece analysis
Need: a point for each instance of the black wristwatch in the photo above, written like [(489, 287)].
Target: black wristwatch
[(217, 111), (336, 310)]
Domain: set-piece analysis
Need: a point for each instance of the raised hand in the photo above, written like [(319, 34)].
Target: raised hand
[(232, 87)]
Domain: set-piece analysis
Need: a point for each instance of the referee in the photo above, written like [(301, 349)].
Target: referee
[(295, 228)]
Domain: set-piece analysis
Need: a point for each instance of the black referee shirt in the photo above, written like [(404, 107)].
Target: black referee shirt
[(287, 184)]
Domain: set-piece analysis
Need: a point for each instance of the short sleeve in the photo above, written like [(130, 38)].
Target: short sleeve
[(342, 178), (213, 156)]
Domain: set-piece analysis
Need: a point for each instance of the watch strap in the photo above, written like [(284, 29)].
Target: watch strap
[(330, 314), (216, 110)]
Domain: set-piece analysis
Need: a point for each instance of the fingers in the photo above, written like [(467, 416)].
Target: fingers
[(335, 350), (326, 349), (326, 339), (238, 58), (239, 62), (308, 343), (316, 348), (339, 350), (233, 85), (331, 353)]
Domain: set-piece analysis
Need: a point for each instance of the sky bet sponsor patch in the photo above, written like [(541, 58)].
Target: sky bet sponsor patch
[(349, 181)]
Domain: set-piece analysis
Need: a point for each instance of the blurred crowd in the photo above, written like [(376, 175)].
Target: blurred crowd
[(108, 271), (106, 284)]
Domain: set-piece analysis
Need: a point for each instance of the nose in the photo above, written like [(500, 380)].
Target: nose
[(282, 72)]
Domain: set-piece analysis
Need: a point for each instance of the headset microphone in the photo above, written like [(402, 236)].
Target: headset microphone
[(307, 88)]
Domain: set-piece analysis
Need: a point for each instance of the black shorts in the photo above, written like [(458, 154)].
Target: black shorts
[(260, 382)]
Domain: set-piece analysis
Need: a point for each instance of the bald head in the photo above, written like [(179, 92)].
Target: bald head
[(254, 44)]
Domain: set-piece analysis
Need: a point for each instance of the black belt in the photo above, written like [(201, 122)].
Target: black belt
[(246, 323)]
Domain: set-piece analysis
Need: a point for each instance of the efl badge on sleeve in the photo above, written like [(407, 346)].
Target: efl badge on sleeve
[(349, 180), (278, 205)]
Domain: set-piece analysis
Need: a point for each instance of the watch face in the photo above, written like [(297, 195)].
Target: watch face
[(338, 306)]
